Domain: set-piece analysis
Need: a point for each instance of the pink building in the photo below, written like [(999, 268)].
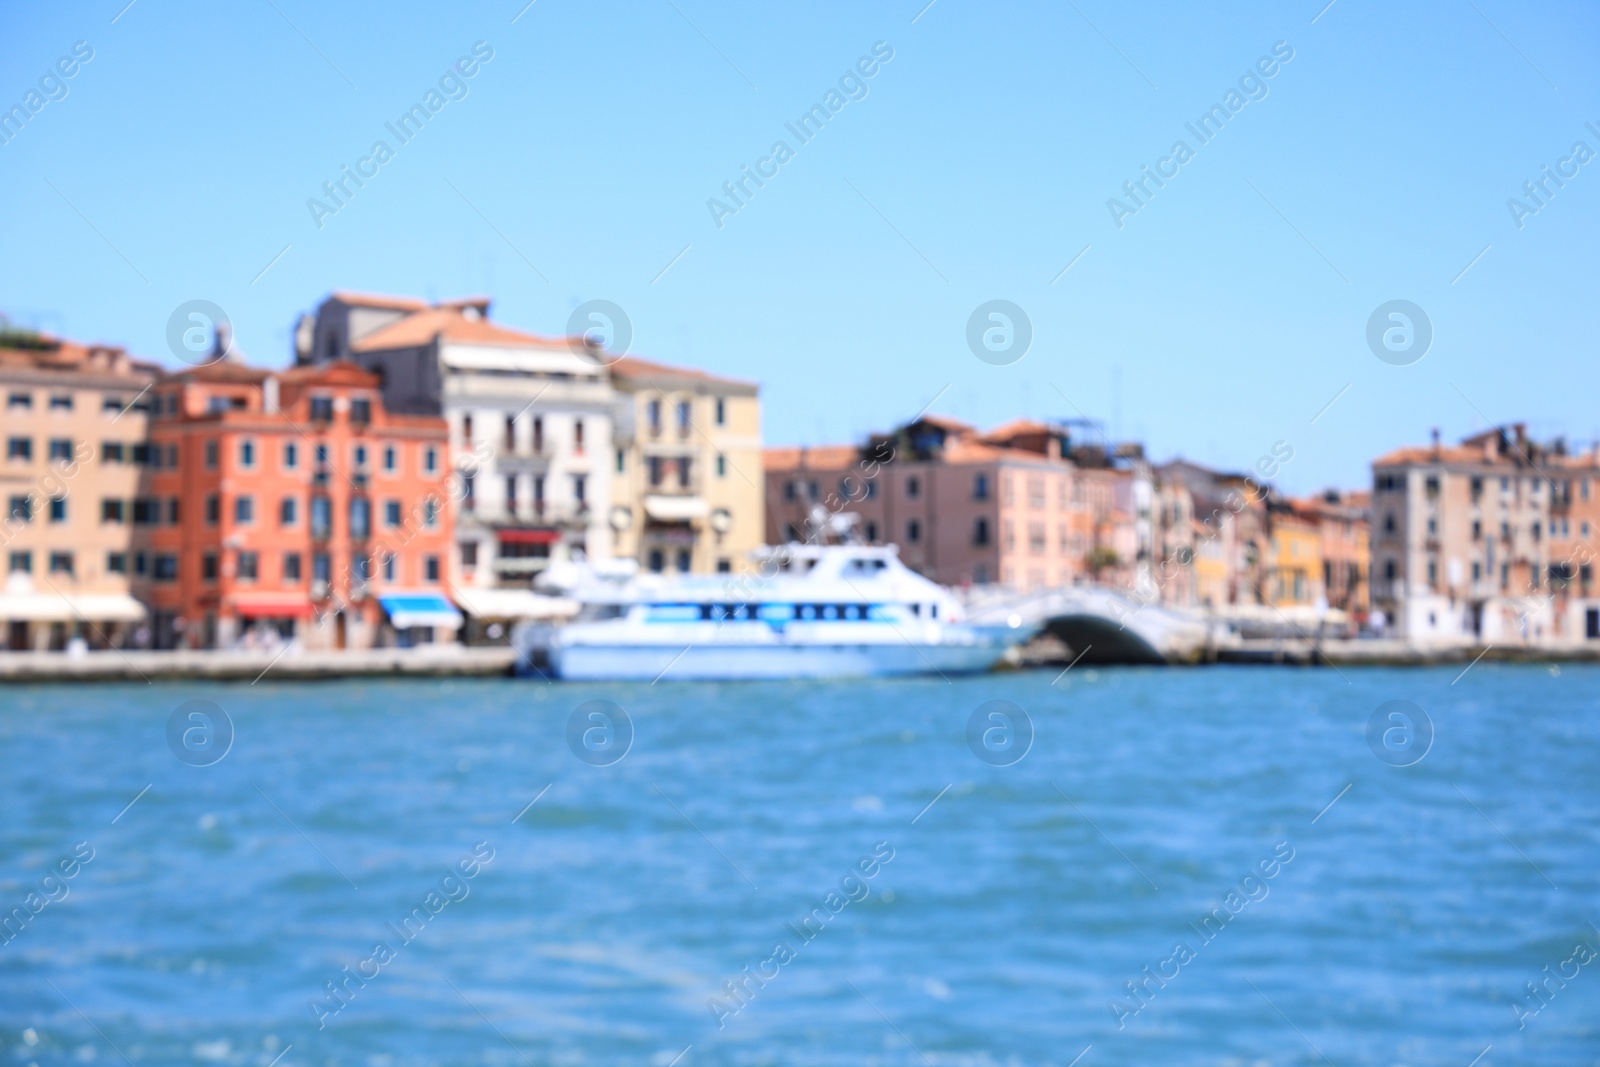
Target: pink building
[(964, 507)]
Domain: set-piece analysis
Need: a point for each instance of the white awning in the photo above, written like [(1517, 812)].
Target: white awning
[(57, 607), (676, 508), (512, 604)]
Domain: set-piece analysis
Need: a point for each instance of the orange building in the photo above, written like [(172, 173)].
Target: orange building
[(291, 505)]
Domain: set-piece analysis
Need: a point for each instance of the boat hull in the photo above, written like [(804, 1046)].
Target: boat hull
[(633, 662)]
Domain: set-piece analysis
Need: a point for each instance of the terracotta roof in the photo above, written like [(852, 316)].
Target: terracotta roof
[(421, 327), (338, 372), (1428, 454), (634, 367), (220, 370), (375, 300), (1016, 428), (818, 458)]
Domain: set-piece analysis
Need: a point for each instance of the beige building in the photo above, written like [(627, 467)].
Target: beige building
[(74, 421), (686, 487), (1486, 541)]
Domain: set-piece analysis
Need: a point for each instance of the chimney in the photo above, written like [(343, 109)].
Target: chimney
[(1436, 442), (269, 393)]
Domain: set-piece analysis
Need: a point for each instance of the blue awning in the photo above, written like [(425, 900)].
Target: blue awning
[(406, 610)]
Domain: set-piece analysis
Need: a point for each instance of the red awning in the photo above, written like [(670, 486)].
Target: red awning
[(272, 606), (529, 537)]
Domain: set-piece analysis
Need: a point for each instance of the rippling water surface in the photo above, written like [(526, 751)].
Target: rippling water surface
[(997, 926)]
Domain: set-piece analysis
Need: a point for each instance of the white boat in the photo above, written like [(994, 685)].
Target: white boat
[(811, 611)]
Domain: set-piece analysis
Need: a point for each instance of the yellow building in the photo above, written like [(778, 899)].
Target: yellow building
[(1294, 577), (75, 451), (687, 485)]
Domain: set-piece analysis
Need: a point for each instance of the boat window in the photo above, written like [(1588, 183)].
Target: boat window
[(933, 609), (830, 612), (916, 609)]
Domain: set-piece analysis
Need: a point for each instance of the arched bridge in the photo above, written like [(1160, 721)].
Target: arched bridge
[(1098, 624)]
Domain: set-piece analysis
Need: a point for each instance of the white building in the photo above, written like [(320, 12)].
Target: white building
[(530, 432)]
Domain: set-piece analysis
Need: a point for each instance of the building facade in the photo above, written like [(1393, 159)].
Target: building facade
[(687, 487), (531, 440), (1485, 541), (966, 508), (291, 506), (74, 420)]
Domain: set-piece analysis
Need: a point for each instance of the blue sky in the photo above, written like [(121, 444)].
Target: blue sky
[(1221, 318)]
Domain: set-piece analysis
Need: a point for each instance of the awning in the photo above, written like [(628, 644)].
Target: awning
[(676, 508), (513, 604), (55, 607), (272, 606), (406, 610), (528, 537)]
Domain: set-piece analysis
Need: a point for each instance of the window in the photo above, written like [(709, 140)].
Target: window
[(61, 448), (321, 518), (913, 487), (21, 508), (291, 566), (621, 460), (20, 401), (172, 511), (391, 514), (469, 553), (511, 433), (655, 463), (389, 567), (116, 563), (657, 562), (361, 411), (430, 459), (111, 510), (111, 452), (247, 453), (653, 410), (140, 455), (683, 474), (577, 436), (358, 456), (430, 568), (722, 412), (164, 567), (248, 569), (321, 567), (22, 562), (913, 531), (61, 562), (211, 455), (322, 409), (722, 465), (538, 434), (724, 566), (580, 483), (980, 530), (788, 490), (360, 517), (288, 511), (58, 509), (322, 456), (244, 509), (683, 418), (213, 510), (683, 560), (208, 567), (980, 487), (61, 402), (511, 494), (291, 455), (19, 448), (430, 513), (389, 458)]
